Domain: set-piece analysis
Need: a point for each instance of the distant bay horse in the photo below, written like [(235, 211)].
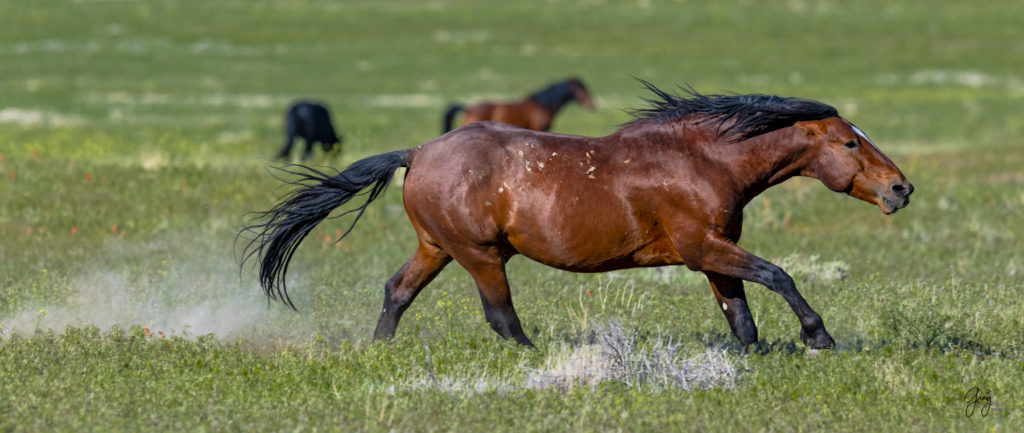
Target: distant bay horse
[(312, 122), (535, 112), (665, 189)]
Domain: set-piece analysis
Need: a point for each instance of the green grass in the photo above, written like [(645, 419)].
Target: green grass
[(133, 140)]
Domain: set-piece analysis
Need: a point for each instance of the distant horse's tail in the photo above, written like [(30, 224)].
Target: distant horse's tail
[(449, 117), (279, 231)]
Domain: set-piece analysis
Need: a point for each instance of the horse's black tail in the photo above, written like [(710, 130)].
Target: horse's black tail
[(279, 231), (449, 117)]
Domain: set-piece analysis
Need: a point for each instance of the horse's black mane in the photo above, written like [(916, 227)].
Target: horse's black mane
[(555, 95), (741, 116)]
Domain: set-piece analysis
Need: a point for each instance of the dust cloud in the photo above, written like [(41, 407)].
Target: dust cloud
[(176, 298)]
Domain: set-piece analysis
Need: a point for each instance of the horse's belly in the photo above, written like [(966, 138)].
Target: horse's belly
[(596, 250)]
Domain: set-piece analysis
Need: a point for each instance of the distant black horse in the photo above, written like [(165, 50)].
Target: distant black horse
[(312, 122)]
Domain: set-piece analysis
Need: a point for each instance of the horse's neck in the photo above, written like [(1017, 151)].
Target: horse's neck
[(553, 97), (765, 160), (750, 166)]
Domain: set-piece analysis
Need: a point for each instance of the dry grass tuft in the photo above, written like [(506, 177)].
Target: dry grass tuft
[(616, 356)]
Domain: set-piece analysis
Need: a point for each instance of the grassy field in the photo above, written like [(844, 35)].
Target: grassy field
[(134, 137)]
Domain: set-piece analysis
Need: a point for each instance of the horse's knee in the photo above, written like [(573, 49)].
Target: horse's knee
[(781, 282)]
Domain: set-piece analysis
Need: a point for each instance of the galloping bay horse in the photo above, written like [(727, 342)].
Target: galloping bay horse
[(665, 189), (312, 122), (535, 112)]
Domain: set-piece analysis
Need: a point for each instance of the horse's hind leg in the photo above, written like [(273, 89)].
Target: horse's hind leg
[(487, 267), (402, 288), (733, 302)]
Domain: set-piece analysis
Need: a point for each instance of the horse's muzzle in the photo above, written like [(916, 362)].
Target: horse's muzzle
[(897, 198)]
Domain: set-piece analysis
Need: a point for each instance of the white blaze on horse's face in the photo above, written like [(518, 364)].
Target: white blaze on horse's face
[(863, 135)]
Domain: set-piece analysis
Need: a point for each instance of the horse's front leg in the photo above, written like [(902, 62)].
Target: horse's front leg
[(722, 256)]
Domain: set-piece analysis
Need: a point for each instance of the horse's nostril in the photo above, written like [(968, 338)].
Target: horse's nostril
[(902, 188)]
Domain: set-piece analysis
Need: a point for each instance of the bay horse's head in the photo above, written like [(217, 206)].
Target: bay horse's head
[(580, 94), (845, 160)]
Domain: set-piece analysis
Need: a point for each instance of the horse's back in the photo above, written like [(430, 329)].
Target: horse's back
[(522, 114), (483, 143), (552, 197)]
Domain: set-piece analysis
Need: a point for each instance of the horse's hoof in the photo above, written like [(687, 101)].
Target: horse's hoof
[(754, 348), (820, 341)]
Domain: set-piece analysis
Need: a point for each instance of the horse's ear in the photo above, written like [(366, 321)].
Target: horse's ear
[(811, 127)]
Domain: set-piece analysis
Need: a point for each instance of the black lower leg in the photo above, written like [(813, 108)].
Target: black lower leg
[(741, 322), (732, 300), (391, 313), (812, 328), (506, 323)]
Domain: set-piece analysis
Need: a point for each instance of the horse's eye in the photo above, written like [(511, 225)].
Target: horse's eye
[(851, 144)]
